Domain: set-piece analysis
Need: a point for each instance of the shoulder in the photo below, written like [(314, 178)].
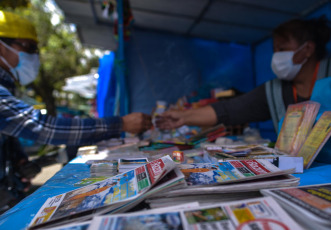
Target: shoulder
[(4, 92)]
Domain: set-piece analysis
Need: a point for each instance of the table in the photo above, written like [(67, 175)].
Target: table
[(63, 181)]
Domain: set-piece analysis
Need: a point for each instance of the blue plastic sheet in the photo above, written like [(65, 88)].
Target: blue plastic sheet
[(166, 67), (319, 173), (22, 214), (106, 89)]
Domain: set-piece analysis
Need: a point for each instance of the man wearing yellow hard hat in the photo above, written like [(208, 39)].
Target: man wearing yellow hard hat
[(19, 63)]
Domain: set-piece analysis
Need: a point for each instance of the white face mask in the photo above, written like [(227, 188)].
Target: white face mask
[(27, 68), (282, 64)]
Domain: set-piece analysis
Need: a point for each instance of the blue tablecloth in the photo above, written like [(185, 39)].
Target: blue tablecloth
[(63, 181), (319, 173)]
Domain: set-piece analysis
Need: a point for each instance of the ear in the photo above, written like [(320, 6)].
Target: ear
[(310, 48)]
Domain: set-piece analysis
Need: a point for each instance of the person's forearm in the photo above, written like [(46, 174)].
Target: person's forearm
[(204, 116)]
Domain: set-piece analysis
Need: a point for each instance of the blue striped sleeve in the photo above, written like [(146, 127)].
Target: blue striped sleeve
[(21, 120)]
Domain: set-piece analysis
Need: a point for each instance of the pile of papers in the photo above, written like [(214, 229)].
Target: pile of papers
[(258, 213), (115, 194), (127, 164), (309, 205), (104, 168)]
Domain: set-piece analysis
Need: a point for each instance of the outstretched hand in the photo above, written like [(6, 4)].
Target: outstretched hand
[(170, 119), (136, 123)]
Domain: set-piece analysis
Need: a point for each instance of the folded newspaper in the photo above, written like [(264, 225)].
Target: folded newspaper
[(202, 174), (310, 205), (260, 213), (232, 189), (109, 195)]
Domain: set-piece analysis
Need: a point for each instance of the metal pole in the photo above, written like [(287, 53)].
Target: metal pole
[(124, 105)]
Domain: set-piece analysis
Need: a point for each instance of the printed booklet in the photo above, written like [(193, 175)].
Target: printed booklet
[(298, 121), (317, 138)]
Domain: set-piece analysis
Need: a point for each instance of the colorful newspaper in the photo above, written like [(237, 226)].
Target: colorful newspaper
[(103, 196), (246, 186), (298, 121), (310, 205), (84, 225), (202, 174), (317, 138), (261, 213)]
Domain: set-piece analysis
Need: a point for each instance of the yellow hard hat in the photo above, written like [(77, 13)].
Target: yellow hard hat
[(14, 26)]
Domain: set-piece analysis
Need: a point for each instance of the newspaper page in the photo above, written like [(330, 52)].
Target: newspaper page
[(174, 179), (104, 195), (84, 225), (316, 139), (247, 186), (310, 203), (201, 174), (261, 213)]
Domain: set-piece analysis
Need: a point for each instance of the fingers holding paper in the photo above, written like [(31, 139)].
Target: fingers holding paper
[(170, 119)]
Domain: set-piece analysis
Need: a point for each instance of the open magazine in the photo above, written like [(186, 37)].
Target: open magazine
[(310, 205), (261, 213), (107, 195), (202, 174)]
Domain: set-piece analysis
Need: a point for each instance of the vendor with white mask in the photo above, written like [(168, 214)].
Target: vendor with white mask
[(299, 45)]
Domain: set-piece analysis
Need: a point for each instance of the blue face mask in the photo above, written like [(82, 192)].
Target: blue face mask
[(27, 68)]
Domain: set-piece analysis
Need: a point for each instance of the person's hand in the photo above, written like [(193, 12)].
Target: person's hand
[(170, 119), (136, 122)]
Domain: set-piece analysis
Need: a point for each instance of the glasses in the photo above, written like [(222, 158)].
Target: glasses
[(28, 47)]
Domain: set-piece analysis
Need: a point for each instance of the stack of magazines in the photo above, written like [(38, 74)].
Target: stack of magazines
[(103, 168), (309, 205), (127, 164), (235, 179), (115, 194), (260, 213)]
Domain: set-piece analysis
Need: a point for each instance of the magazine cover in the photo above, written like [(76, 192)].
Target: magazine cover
[(198, 174), (319, 135), (260, 213), (172, 180), (104, 195), (298, 121), (310, 204)]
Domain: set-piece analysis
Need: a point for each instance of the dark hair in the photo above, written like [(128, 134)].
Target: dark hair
[(316, 30), (8, 41)]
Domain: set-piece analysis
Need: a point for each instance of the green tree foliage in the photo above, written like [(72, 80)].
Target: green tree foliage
[(61, 54), (14, 3)]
